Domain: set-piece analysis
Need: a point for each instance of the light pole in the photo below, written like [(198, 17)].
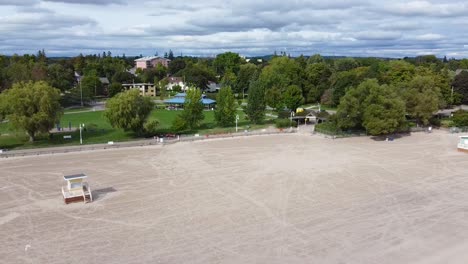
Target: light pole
[(290, 123), (237, 119), (81, 136), (81, 92)]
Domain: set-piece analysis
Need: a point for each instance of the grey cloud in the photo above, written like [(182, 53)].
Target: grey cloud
[(426, 8), (34, 9), (91, 2), (340, 27), (377, 35), (18, 2), (37, 23)]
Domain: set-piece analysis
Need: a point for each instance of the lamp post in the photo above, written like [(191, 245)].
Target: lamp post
[(237, 119), (290, 123), (81, 136), (81, 93)]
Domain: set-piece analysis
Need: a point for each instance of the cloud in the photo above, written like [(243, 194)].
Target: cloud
[(37, 24), (428, 37), (18, 2), (34, 9), (377, 35), (90, 2), (205, 27), (425, 8)]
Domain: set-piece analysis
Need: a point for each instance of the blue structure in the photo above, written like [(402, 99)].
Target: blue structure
[(179, 99)]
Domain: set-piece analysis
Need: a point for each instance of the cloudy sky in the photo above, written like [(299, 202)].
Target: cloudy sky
[(249, 27)]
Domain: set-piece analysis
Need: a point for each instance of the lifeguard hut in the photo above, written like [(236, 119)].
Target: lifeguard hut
[(77, 189), (463, 144)]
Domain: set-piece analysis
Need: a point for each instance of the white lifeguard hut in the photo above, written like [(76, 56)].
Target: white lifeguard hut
[(463, 144), (77, 189)]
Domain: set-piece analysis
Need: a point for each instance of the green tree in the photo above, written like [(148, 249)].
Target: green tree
[(228, 61), (255, 109), (398, 72), (60, 77), (293, 97), (384, 112), (460, 118), (344, 80), (246, 73), (316, 58), (115, 88), (346, 64), (351, 109), (225, 113), (124, 77), (32, 106), (192, 115), (422, 98), (460, 85), (229, 79), (129, 111), (176, 65), (274, 99), (171, 55), (282, 72), (91, 86), (197, 75), (162, 88), (317, 75)]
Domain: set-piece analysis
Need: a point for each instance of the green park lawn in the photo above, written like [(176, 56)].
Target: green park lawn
[(98, 130)]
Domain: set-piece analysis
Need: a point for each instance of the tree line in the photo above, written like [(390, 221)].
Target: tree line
[(365, 90)]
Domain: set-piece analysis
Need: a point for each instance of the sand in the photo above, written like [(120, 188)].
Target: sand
[(265, 199)]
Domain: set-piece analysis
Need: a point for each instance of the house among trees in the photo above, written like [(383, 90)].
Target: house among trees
[(105, 84), (151, 62), (178, 101), (176, 84), (213, 87), (146, 89)]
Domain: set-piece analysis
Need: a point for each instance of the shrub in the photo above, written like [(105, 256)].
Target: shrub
[(150, 127), (179, 124), (435, 121), (282, 123), (328, 128), (460, 118)]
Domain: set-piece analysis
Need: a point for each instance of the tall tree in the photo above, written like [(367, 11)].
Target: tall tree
[(422, 98), (293, 97), (229, 79), (129, 111), (192, 115), (274, 98), (197, 75), (246, 72), (281, 73), (351, 108), (171, 55), (255, 109), (60, 77), (384, 112), (91, 86), (33, 107), (115, 88), (460, 85), (225, 113), (176, 65), (228, 61)]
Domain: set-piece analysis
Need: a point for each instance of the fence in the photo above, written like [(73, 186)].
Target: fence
[(458, 130), (139, 143)]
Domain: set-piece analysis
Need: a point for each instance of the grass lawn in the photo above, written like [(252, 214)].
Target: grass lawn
[(98, 130), (80, 109)]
